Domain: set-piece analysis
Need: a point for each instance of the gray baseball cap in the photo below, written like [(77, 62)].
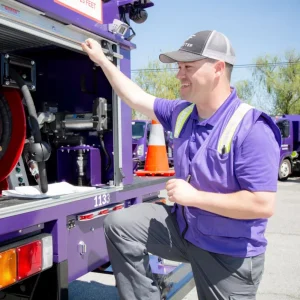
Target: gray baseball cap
[(203, 44)]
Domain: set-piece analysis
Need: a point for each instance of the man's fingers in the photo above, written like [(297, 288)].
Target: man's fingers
[(89, 42), (85, 47), (171, 183), (170, 193), (171, 199), (170, 187)]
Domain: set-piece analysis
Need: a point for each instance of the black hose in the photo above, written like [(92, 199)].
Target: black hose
[(105, 152), (34, 125)]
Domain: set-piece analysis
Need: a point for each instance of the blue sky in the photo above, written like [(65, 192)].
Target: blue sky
[(253, 27)]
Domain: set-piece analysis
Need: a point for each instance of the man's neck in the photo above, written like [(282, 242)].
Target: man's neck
[(207, 106)]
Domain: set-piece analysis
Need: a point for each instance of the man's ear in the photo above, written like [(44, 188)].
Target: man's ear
[(219, 68)]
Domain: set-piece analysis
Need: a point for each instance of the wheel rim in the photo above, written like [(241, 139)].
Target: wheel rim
[(285, 169)]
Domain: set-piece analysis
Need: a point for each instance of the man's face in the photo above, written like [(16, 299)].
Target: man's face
[(196, 77)]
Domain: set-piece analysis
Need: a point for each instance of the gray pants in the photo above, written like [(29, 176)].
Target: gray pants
[(135, 231)]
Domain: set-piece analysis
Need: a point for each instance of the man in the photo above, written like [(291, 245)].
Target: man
[(225, 184)]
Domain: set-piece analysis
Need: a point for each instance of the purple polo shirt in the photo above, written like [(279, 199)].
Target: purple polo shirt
[(255, 167)]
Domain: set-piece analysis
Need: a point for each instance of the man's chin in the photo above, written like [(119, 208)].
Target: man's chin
[(184, 96)]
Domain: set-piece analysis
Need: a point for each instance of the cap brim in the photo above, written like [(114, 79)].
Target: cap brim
[(179, 56)]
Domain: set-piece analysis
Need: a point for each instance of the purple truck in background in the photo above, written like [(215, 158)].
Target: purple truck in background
[(289, 126), (140, 137)]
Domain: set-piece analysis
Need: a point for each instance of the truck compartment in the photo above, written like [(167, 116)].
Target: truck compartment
[(86, 242), (75, 107)]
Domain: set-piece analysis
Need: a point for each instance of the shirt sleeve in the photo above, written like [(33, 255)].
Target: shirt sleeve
[(257, 160), (163, 110)]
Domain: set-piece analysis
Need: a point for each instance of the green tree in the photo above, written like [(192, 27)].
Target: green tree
[(280, 78), (248, 93), (159, 80), (245, 90)]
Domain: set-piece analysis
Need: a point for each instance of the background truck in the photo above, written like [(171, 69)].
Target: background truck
[(65, 159), (289, 126), (140, 138)]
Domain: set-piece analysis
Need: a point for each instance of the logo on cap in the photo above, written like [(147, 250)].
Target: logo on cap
[(188, 45)]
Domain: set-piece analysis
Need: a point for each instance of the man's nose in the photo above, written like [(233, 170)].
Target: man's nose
[(180, 73)]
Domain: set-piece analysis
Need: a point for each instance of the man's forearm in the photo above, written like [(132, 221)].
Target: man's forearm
[(239, 205), (127, 90)]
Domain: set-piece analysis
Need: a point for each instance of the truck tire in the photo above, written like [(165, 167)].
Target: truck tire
[(285, 170)]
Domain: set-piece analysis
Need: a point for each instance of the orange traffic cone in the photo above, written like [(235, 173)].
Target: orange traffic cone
[(157, 160)]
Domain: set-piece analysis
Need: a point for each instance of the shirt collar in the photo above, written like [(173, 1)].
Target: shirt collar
[(216, 116)]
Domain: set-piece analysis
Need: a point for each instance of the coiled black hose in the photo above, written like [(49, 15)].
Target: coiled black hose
[(102, 144), (35, 129)]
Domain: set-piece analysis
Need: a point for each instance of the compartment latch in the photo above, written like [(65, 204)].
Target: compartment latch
[(82, 247)]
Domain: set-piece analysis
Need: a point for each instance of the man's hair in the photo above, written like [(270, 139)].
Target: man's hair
[(228, 67)]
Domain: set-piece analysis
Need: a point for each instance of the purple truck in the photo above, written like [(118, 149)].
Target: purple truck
[(289, 126), (71, 160), (140, 138)]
